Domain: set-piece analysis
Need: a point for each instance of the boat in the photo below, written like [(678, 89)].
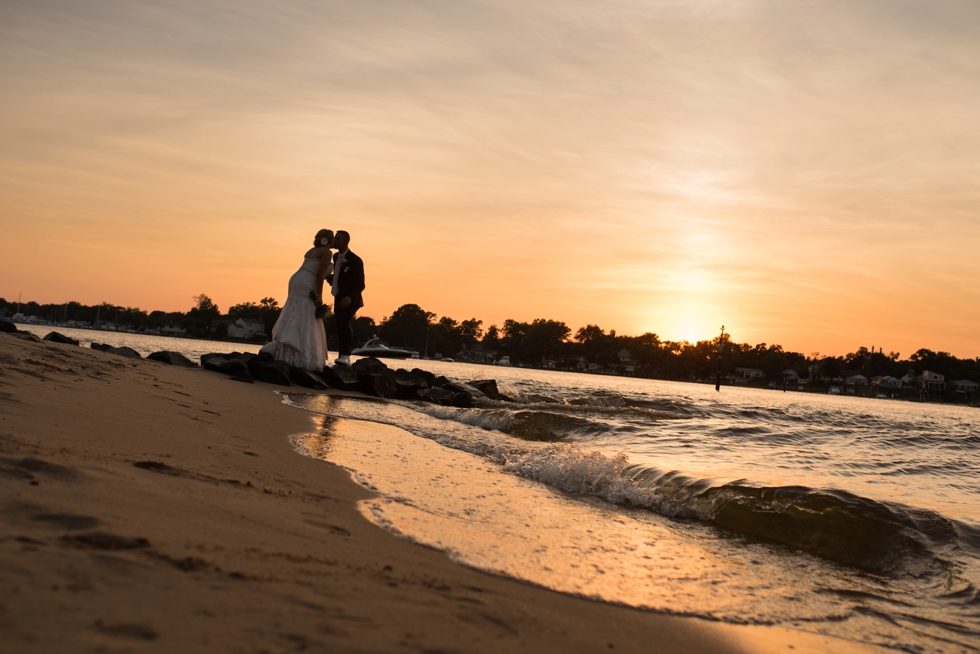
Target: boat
[(504, 361), (446, 360), (374, 348)]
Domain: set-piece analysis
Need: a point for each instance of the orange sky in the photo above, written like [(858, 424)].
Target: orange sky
[(805, 173)]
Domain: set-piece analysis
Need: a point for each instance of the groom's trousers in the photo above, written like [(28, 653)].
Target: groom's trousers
[(345, 327)]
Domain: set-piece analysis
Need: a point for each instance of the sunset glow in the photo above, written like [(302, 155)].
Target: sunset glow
[(805, 174)]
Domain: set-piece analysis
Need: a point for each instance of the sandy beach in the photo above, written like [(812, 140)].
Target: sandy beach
[(152, 508)]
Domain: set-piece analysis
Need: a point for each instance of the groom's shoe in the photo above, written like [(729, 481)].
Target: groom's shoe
[(343, 360)]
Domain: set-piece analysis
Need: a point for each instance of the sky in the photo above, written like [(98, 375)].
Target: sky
[(801, 172)]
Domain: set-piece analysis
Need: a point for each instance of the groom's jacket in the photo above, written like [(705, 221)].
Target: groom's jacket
[(351, 282)]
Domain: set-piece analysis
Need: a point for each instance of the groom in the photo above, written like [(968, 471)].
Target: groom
[(346, 288)]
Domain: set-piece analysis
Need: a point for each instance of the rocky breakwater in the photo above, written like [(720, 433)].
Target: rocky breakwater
[(368, 375)]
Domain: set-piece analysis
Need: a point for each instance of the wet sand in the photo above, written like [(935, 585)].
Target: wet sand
[(150, 508)]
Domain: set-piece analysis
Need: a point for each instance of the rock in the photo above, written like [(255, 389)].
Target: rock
[(340, 377), (230, 367), (487, 386), (8, 327), (408, 386), (172, 358), (244, 377), (462, 400), (270, 372), (368, 364), (306, 379), (118, 351), (27, 336), (426, 375), (439, 382), (437, 396), (244, 356), (460, 387), (379, 384), (55, 337)]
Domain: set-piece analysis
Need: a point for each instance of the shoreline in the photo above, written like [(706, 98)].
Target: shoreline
[(146, 506)]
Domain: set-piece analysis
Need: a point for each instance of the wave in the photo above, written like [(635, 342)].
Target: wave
[(835, 525)]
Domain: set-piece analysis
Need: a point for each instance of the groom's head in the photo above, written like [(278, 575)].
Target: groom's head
[(341, 240)]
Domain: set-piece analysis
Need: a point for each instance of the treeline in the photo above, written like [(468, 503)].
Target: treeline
[(538, 343), (549, 343), (196, 321)]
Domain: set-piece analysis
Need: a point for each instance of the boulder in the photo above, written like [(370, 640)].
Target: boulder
[(437, 396), (118, 351), (462, 400), (27, 336), (439, 382), (270, 372), (426, 375), (8, 327), (244, 356), (172, 358), (408, 386), (55, 337), (368, 364), (379, 384), (486, 386), (460, 387), (340, 377), (245, 377), (306, 379), (230, 367)]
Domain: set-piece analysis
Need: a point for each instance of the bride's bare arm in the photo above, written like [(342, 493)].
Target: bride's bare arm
[(321, 272)]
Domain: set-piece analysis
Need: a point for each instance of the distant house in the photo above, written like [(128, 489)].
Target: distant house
[(594, 367), (966, 386), (932, 381), (624, 356), (749, 373), (856, 380), (886, 381), (246, 328), (218, 322), (477, 353), (791, 375), (172, 329)]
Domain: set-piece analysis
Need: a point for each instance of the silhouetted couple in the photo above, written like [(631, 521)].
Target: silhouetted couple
[(299, 338)]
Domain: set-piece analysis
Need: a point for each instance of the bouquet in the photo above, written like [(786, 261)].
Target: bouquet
[(321, 309)]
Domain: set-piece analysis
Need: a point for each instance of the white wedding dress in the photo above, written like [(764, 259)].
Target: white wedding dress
[(298, 337)]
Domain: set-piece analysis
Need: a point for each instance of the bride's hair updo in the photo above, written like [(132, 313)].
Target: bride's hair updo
[(318, 240)]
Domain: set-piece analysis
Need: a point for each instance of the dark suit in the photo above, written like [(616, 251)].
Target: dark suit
[(349, 284)]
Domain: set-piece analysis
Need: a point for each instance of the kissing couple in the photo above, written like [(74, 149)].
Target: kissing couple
[(299, 337)]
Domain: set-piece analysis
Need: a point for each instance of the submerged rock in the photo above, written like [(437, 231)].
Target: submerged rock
[(172, 358), (56, 337)]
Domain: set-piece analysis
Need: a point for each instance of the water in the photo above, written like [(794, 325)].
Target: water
[(192, 348), (853, 517)]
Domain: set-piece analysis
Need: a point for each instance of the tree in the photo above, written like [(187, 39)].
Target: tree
[(543, 339), (470, 331), (408, 326), (198, 321), (491, 340)]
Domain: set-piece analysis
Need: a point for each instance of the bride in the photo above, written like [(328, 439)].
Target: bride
[(298, 337)]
